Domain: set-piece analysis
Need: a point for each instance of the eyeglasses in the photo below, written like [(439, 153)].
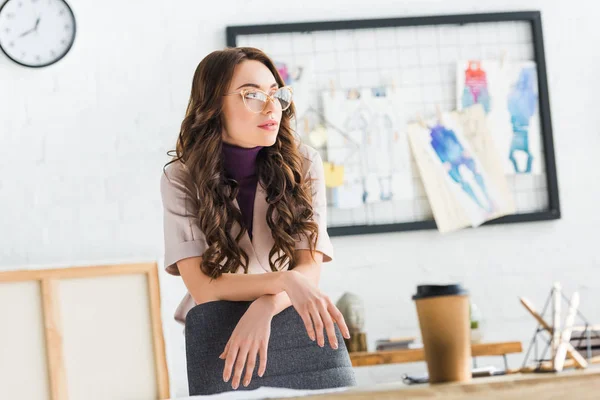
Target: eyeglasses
[(256, 100)]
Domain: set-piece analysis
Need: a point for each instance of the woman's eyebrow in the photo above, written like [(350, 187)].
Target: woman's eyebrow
[(254, 85)]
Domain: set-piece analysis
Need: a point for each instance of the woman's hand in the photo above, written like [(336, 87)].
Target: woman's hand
[(249, 338), (314, 307)]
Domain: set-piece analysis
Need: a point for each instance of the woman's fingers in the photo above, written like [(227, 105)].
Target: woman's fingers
[(316, 317), (239, 367), (229, 361), (238, 357), (263, 360), (328, 322), (250, 364), (338, 317), (305, 315), (224, 353)]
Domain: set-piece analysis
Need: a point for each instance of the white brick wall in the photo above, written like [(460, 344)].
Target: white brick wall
[(82, 144)]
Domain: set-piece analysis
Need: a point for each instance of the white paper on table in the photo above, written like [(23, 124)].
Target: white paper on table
[(263, 393)]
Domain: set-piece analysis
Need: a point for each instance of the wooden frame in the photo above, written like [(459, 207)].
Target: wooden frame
[(52, 329), (533, 17)]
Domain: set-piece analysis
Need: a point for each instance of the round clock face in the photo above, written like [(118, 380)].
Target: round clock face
[(36, 33)]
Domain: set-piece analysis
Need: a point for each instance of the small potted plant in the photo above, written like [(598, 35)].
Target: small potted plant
[(476, 331)]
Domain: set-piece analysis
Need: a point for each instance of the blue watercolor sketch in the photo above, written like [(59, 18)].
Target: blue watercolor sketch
[(453, 155), (522, 102)]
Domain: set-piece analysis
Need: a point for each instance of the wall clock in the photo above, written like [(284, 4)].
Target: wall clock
[(36, 33)]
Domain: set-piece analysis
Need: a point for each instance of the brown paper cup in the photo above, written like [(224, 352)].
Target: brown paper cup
[(444, 321)]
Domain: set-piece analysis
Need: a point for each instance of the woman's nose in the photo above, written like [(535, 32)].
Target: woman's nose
[(270, 106)]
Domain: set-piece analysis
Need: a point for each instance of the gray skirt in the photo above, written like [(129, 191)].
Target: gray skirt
[(293, 360)]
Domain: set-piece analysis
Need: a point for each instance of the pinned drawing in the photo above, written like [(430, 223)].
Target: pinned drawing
[(371, 145), (476, 132), (475, 89), (509, 94), (299, 75), (522, 106), (460, 164), (461, 172)]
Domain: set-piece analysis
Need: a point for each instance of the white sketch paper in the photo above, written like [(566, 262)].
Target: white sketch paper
[(464, 182), (372, 146)]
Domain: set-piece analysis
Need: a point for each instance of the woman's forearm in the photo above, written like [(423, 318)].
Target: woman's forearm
[(275, 302), (233, 287), (281, 301), (247, 287)]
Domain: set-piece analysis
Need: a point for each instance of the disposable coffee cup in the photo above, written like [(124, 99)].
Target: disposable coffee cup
[(444, 321)]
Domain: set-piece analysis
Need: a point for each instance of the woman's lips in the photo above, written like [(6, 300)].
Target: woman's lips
[(269, 125)]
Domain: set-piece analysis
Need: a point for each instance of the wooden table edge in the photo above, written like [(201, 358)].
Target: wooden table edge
[(363, 359)]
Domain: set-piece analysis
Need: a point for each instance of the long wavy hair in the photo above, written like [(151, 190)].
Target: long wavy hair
[(279, 169)]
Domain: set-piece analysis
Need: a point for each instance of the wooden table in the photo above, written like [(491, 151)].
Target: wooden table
[(362, 359), (571, 384)]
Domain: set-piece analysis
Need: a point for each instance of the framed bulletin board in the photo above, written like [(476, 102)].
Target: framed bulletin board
[(92, 332), (414, 69)]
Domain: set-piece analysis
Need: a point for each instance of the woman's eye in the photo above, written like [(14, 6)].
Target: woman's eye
[(253, 95)]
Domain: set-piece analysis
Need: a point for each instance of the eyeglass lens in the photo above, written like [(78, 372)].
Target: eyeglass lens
[(256, 101)]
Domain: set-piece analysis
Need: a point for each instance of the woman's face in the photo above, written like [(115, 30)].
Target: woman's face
[(243, 127)]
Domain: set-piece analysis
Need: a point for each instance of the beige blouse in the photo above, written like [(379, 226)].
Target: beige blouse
[(183, 237)]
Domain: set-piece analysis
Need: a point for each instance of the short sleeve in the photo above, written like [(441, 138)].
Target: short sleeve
[(182, 235), (316, 174)]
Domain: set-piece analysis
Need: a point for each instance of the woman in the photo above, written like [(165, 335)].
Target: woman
[(245, 227)]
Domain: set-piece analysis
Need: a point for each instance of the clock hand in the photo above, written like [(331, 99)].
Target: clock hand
[(37, 22), (26, 33)]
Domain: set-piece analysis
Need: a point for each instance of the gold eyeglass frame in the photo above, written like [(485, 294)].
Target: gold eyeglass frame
[(244, 91)]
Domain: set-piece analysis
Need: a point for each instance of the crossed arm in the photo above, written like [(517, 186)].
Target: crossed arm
[(247, 287), (310, 268), (270, 293)]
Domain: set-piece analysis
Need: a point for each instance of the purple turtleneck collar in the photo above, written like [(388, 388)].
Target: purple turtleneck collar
[(240, 164)]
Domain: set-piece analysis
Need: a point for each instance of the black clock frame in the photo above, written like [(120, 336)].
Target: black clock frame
[(56, 60)]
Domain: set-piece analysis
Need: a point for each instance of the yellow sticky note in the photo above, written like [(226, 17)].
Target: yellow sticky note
[(334, 174)]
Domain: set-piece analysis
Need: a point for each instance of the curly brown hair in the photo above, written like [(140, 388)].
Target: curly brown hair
[(279, 171)]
